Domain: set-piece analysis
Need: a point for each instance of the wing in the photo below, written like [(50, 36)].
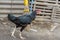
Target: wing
[(25, 19)]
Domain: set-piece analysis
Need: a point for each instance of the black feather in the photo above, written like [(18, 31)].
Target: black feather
[(22, 21), (11, 17)]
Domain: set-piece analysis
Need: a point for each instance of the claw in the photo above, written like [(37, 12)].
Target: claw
[(13, 36), (21, 36)]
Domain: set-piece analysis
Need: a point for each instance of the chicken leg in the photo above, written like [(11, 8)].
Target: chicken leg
[(21, 32), (13, 32), (21, 36)]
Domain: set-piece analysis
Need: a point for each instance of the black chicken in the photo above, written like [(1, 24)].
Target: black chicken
[(22, 21)]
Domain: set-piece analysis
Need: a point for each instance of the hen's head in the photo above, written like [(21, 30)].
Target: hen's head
[(38, 11)]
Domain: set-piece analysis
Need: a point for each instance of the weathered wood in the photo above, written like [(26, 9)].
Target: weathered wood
[(16, 2), (17, 7), (42, 17), (9, 11), (46, 13), (48, 7), (14, 6)]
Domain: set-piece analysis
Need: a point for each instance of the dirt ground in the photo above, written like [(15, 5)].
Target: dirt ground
[(42, 33)]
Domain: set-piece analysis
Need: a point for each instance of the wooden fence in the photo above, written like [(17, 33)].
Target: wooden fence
[(49, 8)]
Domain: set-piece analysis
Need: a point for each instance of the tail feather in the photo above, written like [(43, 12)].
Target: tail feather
[(11, 17)]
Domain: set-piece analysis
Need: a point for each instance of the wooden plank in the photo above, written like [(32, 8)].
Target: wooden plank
[(43, 20), (44, 3), (12, 1), (58, 11), (17, 11), (58, 17), (57, 14), (18, 6), (5, 1), (14, 6), (9, 11), (5, 6), (46, 13), (40, 3), (18, 1), (43, 17), (44, 7), (46, 10), (47, 0), (5, 15), (57, 20)]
